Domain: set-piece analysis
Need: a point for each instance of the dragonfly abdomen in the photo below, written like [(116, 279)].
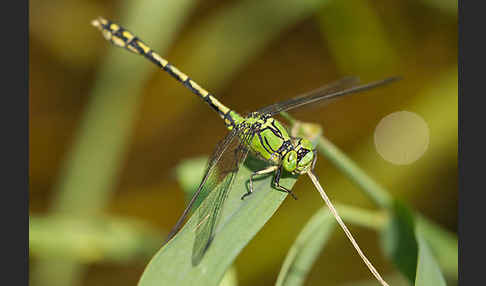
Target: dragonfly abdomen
[(120, 37)]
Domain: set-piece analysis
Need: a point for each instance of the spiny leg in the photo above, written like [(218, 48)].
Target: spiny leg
[(261, 172), (276, 183)]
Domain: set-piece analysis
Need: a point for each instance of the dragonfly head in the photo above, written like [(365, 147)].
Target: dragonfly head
[(305, 156), (301, 158)]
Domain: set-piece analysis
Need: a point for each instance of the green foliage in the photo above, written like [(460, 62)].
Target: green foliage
[(406, 246), (350, 24), (428, 271), (89, 241), (403, 241), (404, 236), (306, 249), (399, 240), (240, 221), (443, 245), (230, 278), (89, 173)]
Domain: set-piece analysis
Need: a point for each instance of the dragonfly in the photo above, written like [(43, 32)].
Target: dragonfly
[(258, 133)]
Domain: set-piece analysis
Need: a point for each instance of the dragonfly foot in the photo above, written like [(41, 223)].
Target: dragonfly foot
[(276, 183), (245, 195), (292, 194), (257, 173), (285, 190)]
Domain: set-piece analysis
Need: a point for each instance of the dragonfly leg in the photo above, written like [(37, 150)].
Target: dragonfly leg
[(257, 173), (276, 182)]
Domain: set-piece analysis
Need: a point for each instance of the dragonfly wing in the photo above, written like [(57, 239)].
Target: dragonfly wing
[(340, 88), (217, 184), (328, 88), (203, 187)]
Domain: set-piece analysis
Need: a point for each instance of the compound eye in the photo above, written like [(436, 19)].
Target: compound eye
[(305, 155), (306, 144), (290, 161), (306, 161)]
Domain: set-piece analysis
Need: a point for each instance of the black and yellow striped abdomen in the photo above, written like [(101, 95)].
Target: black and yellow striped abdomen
[(123, 38)]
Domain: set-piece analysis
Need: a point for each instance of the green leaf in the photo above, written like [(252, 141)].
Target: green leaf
[(240, 221), (189, 173), (306, 248), (443, 245), (405, 242), (356, 23), (70, 238), (229, 278), (398, 240), (428, 271)]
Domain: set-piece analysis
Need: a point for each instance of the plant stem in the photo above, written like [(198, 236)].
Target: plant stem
[(375, 220), (345, 229), (376, 192)]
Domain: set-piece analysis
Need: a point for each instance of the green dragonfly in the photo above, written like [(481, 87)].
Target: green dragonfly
[(258, 132)]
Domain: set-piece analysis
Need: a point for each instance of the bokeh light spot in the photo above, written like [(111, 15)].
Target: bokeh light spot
[(401, 137)]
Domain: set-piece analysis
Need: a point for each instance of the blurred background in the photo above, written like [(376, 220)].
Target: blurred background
[(108, 129)]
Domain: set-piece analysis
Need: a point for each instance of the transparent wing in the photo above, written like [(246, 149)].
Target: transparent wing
[(203, 187), (218, 177), (326, 89), (217, 184), (339, 88)]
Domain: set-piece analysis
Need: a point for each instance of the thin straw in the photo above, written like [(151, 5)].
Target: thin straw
[(346, 231)]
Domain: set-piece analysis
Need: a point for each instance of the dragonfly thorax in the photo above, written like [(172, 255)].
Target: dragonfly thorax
[(271, 141)]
